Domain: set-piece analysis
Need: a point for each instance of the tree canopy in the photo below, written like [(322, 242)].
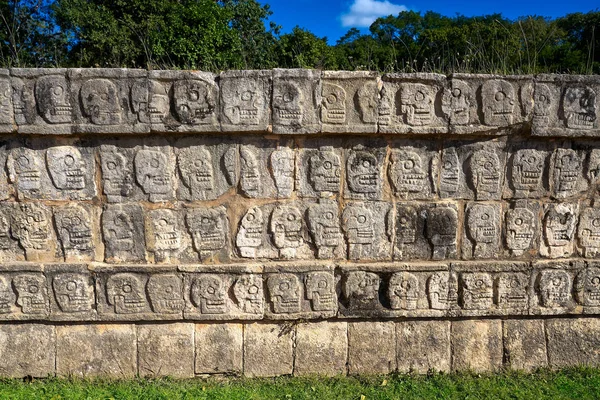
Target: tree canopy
[(216, 35)]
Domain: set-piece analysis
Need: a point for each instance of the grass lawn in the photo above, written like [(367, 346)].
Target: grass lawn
[(580, 383)]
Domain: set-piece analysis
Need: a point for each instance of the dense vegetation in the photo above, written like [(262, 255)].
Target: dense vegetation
[(232, 34)]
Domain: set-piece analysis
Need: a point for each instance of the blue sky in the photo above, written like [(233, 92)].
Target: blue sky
[(333, 18)]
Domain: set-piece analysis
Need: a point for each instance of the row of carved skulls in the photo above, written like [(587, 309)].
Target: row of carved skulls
[(194, 102)]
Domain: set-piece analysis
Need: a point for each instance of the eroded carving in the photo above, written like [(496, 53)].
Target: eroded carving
[(334, 104), (25, 169), (512, 290), (248, 291), (499, 99), (126, 293), (442, 290), (250, 236), (32, 294), (324, 227), (208, 227), (67, 167), (150, 101), (579, 106), (166, 234), (542, 105), (587, 287), (166, 293), (124, 238), (73, 292), (282, 168), (320, 290), (559, 229), (324, 169), (288, 104), (209, 293), (284, 292), (406, 172), (361, 289), (483, 230), (450, 173), (403, 291), (456, 102), (74, 227), (196, 168), (195, 101), (485, 171), (588, 232), (250, 175), (363, 172), (100, 102), (416, 102), (153, 174), (477, 291), (441, 226), (53, 99), (286, 230), (527, 171), (554, 288), (567, 168), (30, 225), (520, 230), (117, 175)]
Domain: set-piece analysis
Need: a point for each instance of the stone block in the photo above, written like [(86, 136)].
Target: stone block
[(246, 100), (166, 350), (72, 295), (525, 344), (96, 351), (296, 101), (321, 348), (477, 345), (27, 350), (268, 349), (423, 346), (371, 347), (219, 348), (7, 121), (481, 231), (573, 342)]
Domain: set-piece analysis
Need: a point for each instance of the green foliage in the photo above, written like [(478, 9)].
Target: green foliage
[(581, 384)]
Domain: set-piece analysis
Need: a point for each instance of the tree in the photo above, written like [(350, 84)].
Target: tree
[(302, 49)]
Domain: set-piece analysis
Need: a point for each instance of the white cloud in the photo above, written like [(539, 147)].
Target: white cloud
[(364, 12)]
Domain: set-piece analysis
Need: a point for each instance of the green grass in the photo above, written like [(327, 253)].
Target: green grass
[(580, 383)]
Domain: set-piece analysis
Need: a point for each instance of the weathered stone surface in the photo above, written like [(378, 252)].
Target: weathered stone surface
[(525, 344), (477, 345), (219, 348), (245, 100), (423, 346), (268, 349), (27, 350), (371, 347), (296, 101), (96, 351), (481, 236), (321, 348), (166, 350), (573, 342)]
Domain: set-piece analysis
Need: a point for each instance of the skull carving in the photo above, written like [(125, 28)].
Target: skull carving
[(118, 230), (288, 104), (554, 288), (361, 289), (117, 175), (359, 226), (512, 291), (481, 228), (250, 235), (334, 104), (406, 172), (442, 290), (588, 232), (285, 292), (7, 296), (286, 228), (31, 226), (579, 105), (25, 169), (406, 225), (250, 173), (593, 167), (6, 110), (67, 168), (416, 102), (150, 101), (485, 174), (282, 167), (542, 105), (248, 291), (125, 292), (456, 102), (403, 291), (23, 102), (477, 291), (567, 169), (230, 165), (559, 227), (587, 287), (73, 226), (363, 173), (195, 102), (5, 239), (320, 290), (208, 228), (384, 116), (52, 94), (498, 102), (166, 293), (243, 102), (527, 170), (167, 238), (209, 292), (100, 102), (520, 230), (324, 226), (196, 169), (73, 292), (152, 173), (32, 294), (367, 102), (324, 170), (449, 172), (441, 228)]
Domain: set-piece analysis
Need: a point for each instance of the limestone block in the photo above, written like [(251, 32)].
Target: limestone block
[(24, 292), (166, 350), (559, 228), (324, 226), (368, 228), (409, 232), (268, 350), (42, 100), (77, 227), (371, 347), (219, 348), (321, 348), (567, 178), (423, 346), (27, 350), (349, 101), (296, 101), (552, 291), (167, 238), (72, 295), (441, 230), (409, 104), (586, 287), (7, 121), (477, 345), (10, 248), (481, 231), (96, 351), (123, 233), (266, 169), (525, 344), (246, 100), (319, 165), (209, 228), (413, 169), (364, 162), (566, 105), (521, 226), (528, 169), (573, 342)]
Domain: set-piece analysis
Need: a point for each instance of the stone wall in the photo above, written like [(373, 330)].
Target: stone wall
[(294, 222)]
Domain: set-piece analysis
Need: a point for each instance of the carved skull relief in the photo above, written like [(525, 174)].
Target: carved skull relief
[(334, 104), (324, 170), (6, 109), (23, 102), (363, 173), (587, 287), (73, 292), (126, 293), (450, 172), (485, 170), (194, 101), (361, 288), (117, 174), (32, 294), (25, 168), (67, 168), (209, 292), (456, 102), (403, 291), (441, 226), (248, 291), (197, 172), (152, 173), (284, 292), (166, 293), (528, 168), (250, 180), (288, 104), (520, 229), (567, 169), (282, 167), (208, 228), (559, 225), (512, 290), (53, 101), (150, 101), (416, 102), (477, 291), (499, 101), (324, 225), (406, 172), (542, 104), (579, 106), (31, 226), (7, 296), (167, 237), (367, 102), (320, 290), (100, 102), (73, 225), (243, 102), (286, 229), (250, 235), (554, 288), (588, 231)]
